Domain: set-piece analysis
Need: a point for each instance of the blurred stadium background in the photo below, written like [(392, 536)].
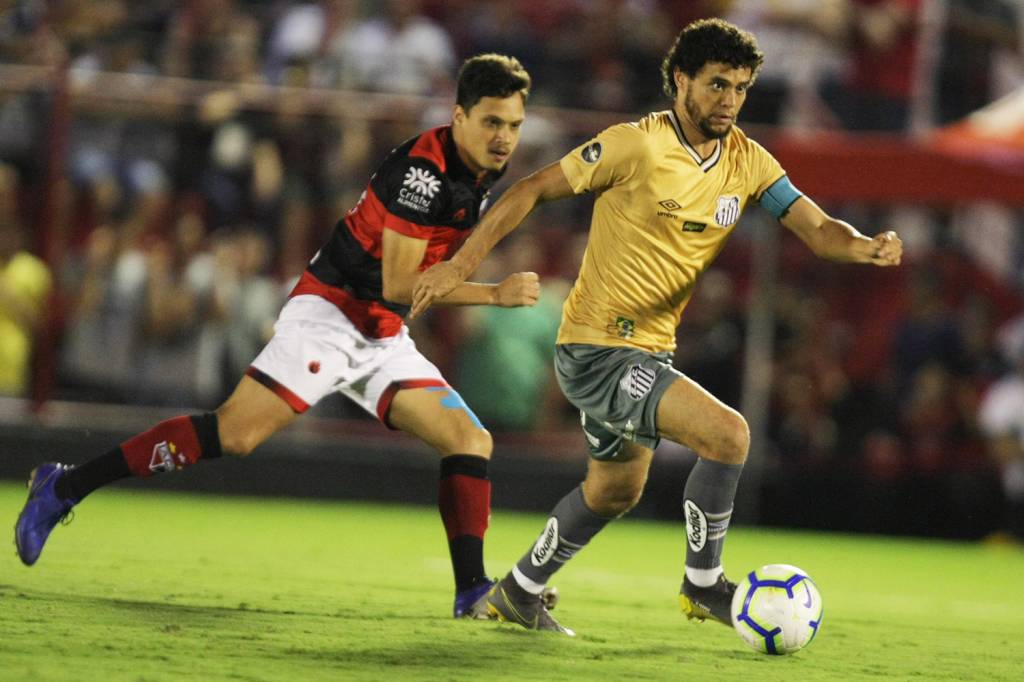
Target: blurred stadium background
[(167, 169)]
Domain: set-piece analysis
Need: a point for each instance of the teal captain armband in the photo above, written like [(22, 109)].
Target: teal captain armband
[(780, 196)]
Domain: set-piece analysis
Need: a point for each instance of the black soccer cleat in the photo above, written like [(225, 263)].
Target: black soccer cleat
[(510, 603), (713, 602)]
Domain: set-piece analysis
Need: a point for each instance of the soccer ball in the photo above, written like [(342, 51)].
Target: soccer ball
[(777, 609)]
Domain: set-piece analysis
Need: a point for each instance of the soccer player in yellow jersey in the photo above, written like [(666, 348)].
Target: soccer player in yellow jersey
[(670, 189)]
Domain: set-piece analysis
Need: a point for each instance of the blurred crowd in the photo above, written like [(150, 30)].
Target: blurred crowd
[(146, 250)]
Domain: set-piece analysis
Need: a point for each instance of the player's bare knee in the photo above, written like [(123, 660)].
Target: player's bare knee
[(612, 502), (619, 503), (735, 442), (472, 441), (238, 444)]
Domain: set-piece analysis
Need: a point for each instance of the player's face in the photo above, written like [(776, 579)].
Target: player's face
[(712, 99), (488, 133)]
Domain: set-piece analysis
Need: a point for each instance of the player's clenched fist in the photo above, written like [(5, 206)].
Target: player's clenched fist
[(888, 249), (518, 289)]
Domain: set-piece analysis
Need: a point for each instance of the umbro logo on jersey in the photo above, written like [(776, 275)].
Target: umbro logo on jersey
[(422, 182), (670, 205)]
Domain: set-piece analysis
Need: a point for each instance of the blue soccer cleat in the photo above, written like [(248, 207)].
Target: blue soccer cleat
[(472, 603), (43, 510)]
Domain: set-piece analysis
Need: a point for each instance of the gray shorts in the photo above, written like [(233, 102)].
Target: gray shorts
[(617, 391)]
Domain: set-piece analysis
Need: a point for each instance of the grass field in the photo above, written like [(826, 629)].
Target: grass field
[(160, 586)]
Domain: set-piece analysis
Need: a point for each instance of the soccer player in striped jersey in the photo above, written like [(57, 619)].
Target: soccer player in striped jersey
[(342, 330), (670, 189)]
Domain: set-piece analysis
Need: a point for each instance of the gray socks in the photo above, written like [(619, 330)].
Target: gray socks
[(570, 527), (709, 495)]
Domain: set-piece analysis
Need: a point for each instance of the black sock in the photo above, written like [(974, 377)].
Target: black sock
[(82, 480)]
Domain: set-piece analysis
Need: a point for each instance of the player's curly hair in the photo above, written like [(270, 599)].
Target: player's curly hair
[(709, 40), (490, 75)]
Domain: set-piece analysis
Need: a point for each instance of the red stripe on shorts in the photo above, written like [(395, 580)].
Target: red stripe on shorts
[(384, 404), (295, 402)]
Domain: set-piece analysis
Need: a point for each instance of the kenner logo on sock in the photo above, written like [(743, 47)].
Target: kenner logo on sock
[(696, 526), (546, 545)]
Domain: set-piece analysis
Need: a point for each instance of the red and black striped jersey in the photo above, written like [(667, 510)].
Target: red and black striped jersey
[(422, 190)]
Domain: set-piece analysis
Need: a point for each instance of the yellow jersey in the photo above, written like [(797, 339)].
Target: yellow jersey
[(661, 216)]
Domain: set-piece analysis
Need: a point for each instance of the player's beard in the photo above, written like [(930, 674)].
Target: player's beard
[(703, 123)]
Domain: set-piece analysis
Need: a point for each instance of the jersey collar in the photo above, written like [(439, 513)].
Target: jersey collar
[(705, 164)]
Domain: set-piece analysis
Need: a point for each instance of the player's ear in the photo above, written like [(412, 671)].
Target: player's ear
[(680, 78), (458, 114)]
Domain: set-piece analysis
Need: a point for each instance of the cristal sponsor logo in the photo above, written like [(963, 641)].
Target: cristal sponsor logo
[(413, 200), (690, 226), (546, 545), (162, 458), (422, 182), (696, 526)]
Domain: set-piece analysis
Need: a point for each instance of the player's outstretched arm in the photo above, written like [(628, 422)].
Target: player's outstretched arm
[(435, 284), (839, 241), (400, 259)]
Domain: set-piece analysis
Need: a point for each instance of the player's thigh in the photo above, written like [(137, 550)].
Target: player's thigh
[(251, 415), (613, 486), (688, 414), (438, 416)]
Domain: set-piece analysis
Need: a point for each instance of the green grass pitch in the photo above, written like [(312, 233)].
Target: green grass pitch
[(155, 586)]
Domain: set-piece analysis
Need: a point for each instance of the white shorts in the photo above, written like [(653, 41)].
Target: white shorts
[(316, 350)]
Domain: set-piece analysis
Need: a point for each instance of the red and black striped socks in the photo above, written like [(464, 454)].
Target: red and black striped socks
[(464, 500)]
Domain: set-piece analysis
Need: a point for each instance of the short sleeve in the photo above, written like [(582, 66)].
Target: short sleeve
[(413, 194), (615, 157), (764, 170)]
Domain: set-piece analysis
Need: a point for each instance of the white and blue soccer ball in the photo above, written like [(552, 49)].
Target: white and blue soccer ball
[(777, 609)]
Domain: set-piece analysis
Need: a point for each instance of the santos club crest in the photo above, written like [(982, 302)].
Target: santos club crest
[(728, 211)]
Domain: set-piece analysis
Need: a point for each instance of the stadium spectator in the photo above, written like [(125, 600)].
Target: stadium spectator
[(802, 42), (251, 303), (877, 90), (341, 331), (975, 31), (400, 50), (1001, 418), (101, 331), (494, 363), (25, 286), (203, 36), (613, 358)]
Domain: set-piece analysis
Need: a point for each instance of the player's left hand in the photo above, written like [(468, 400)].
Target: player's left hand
[(435, 282), (519, 289), (886, 249)]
